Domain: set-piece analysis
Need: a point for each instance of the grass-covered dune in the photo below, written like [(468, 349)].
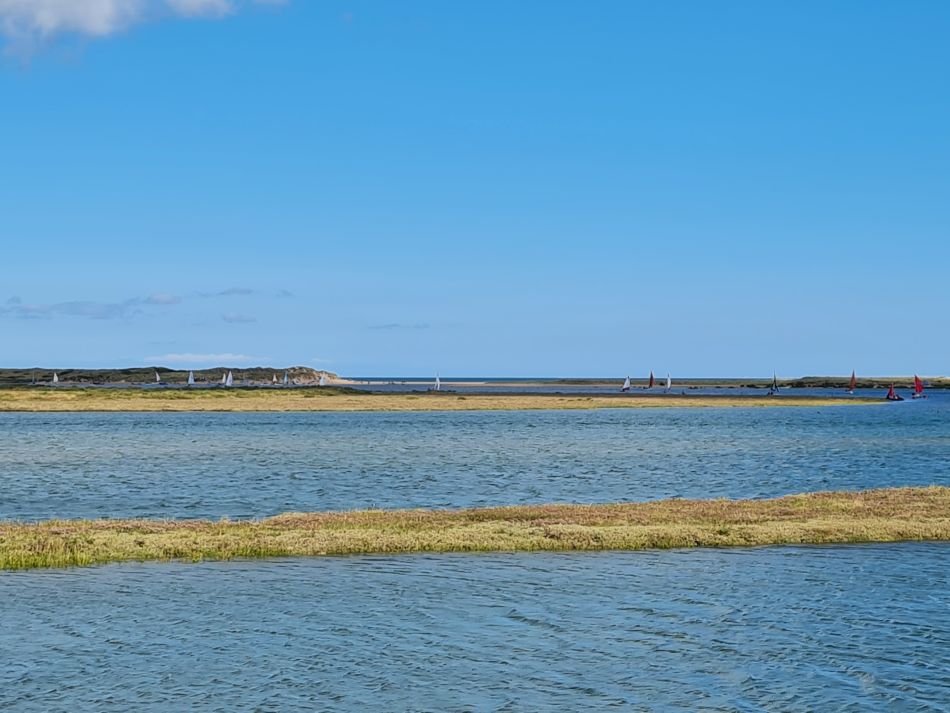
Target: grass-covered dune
[(885, 515), (346, 399)]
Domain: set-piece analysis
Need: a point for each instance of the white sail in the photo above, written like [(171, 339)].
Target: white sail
[(286, 379), (322, 381), (438, 383), (158, 379), (274, 379), (626, 384), (669, 382), (230, 380), (55, 378), (191, 378), (224, 379)]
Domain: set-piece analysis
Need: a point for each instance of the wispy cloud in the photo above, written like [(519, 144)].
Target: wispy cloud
[(26, 23), (162, 298), (235, 318), (203, 359), (400, 325), (90, 309)]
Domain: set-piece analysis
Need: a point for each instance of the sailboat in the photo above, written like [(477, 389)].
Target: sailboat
[(853, 383), (322, 381), (773, 389), (230, 380), (918, 388), (438, 383), (224, 379), (652, 380), (55, 378), (274, 380), (892, 395), (191, 378), (158, 379), (669, 383), (286, 379), (626, 385)]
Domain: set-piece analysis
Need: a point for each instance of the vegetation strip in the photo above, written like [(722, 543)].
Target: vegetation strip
[(886, 515), (343, 399)]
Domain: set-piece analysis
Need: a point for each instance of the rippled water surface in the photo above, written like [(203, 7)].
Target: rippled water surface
[(796, 628), (251, 465)]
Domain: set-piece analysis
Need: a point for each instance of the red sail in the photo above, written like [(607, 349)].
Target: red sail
[(918, 385), (890, 393), (651, 381), (854, 382)]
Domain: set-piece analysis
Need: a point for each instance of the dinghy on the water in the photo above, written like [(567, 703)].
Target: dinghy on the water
[(853, 383), (892, 395), (626, 385), (438, 384), (286, 379), (224, 379), (652, 380), (191, 378), (322, 381), (918, 388), (230, 380), (274, 380), (158, 379), (669, 383), (773, 389), (55, 378)]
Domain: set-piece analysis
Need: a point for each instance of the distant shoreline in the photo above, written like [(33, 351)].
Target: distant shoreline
[(885, 515), (74, 399)]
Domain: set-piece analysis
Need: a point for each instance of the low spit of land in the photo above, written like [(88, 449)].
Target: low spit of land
[(886, 515), (345, 399)]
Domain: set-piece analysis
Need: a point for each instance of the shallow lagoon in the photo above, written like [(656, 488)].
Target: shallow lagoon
[(241, 465), (793, 628)]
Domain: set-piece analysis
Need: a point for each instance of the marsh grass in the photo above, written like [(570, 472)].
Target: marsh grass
[(345, 399), (884, 515)]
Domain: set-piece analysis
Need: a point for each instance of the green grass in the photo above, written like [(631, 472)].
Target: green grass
[(884, 515)]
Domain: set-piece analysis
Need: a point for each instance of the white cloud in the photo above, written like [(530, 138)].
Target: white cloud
[(163, 298), (225, 358), (24, 23)]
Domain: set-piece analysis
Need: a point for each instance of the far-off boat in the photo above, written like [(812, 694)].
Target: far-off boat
[(773, 389), (652, 380), (229, 381), (626, 385), (191, 378), (55, 378), (853, 383), (322, 381), (893, 395), (669, 383), (918, 388)]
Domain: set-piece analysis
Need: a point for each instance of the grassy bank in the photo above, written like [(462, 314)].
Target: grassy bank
[(871, 516), (341, 399)]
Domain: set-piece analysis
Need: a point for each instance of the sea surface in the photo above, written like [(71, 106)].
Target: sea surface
[(848, 628), (761, 629), (246, 465)]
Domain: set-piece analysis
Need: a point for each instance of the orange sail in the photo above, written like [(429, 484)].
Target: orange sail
[(652, 381), (853, 383), (918, 385)]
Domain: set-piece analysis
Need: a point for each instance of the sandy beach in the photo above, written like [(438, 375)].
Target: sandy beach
[(333, 399)]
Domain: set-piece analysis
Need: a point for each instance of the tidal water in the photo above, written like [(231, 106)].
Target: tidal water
[(852, 628), (767, 629), (237, 465)]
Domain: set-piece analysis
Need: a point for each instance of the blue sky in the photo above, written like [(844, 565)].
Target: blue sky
[(490, 188)]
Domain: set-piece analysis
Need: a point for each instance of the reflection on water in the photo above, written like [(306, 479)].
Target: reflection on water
[(252, 465), (796, 628)]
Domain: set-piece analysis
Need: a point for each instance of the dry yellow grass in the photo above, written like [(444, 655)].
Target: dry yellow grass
[(885, 515), (330, 399)]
